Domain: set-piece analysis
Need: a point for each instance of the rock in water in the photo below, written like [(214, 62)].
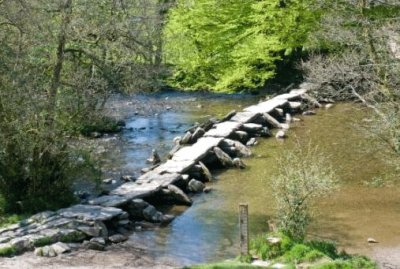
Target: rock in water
[(196, 186), (199, 132), (371, 240), (309, 113), (207, 174), (179, 195), (117, 238), (281, 134), (252, 142), (186, 138), (237, 162), (223, 157), (155, 158)]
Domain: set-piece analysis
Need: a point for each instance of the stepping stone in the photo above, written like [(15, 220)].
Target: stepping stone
[(90, 212), (223, 129)]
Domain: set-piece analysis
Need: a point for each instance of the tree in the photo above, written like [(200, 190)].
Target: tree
[(357, 59), (304, 174), (233, 45), (59, 62)]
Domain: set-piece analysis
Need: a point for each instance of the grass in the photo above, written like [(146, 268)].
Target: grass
[(7, 220), (316, 254), (224, 265), (43, 241), (8, 251)]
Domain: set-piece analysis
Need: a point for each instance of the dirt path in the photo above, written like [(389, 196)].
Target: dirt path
[(117, 256)]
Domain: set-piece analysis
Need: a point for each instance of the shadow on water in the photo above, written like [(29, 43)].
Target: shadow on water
[(208, 230)]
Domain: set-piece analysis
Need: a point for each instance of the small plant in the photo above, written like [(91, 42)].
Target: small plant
[(8, 251), (47, 240), (304, 174), (266, 250), (302, 253)]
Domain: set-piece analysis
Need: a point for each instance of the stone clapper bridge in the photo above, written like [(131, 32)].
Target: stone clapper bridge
[(107, 218)]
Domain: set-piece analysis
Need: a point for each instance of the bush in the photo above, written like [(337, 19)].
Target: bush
[(264, 250), (302, 253), (8, 251), (357, 262), (303, 174)]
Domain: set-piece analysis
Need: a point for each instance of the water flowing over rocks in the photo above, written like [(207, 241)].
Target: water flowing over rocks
[(106, 219)]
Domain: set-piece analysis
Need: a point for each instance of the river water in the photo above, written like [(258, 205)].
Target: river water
[(208, 230)]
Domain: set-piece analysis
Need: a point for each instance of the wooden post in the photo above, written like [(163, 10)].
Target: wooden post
[(244, 229)]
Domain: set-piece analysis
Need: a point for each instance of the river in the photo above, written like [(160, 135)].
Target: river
[(208, 230)]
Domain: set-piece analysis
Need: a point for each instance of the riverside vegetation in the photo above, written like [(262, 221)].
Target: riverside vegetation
[(61, 61)]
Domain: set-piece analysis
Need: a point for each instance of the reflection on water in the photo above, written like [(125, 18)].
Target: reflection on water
[(208, 231)]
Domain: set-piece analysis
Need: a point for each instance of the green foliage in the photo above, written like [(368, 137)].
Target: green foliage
[(47, 240), (226, 265), (326, 247), (302, 253), (101, 124), (228, 46), (356, 262), (7, 220), (8, 251), (260, 246), (304, 174)]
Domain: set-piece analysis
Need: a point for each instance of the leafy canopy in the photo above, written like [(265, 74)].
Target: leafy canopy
[(233, 45)]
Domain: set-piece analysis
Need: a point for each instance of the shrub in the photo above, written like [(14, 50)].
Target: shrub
[(265, 250), (303, 174), (8, 251)]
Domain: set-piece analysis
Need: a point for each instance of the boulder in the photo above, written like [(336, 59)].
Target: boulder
[(327, 106), (288, 118), (309, 113), (154, 158), (228, 116), (179, 195), (117, 238), (252, 142), (135, 208), (128, 178), (223, 157), (207, 174), (21, 244), (93, 245), (242, 136), (281, 134), (150, 213), (237, 162), (196, 186), (199, 132), (60, 248), (186, 138), (271, 120), (295, 106), (252, 127), (98, 240)]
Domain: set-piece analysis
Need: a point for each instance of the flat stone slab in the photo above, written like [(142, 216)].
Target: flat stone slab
[(245, 117), (289, 96), (267, 106), (172, 166), (90, 212), (197, 151), (133, 190), (157, 178), (109, 200), (223, 129)]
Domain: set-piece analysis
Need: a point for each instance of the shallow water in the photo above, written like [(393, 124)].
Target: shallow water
[(208, 230)]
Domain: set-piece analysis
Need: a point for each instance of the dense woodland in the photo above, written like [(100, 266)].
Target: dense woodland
[(61, 60)]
